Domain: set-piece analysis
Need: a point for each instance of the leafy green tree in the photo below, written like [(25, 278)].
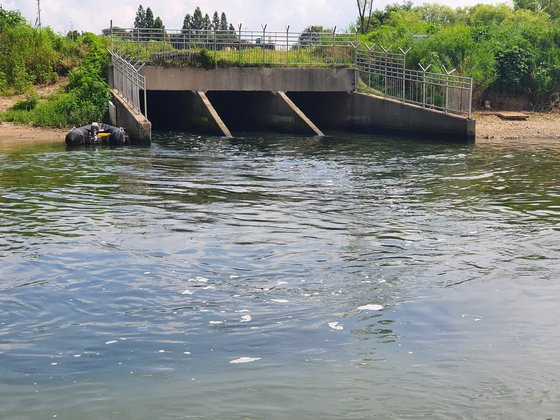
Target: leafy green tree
[(312, 35), (552, 7), (10, 18)]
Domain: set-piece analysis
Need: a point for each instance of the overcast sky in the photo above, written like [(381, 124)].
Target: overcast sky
[(93, 15)]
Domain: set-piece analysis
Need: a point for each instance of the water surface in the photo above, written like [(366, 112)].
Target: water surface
[(131, 278)]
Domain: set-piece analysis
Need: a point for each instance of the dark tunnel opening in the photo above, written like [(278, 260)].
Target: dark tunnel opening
[(243, 110), (328, 110)]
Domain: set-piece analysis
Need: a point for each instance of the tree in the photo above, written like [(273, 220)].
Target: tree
[(224, 23), (552, 7), (9, 18), (140, 19), (196, 22), (215, 21), (311, 35), (206, 23), (365, 8), (187, 23), (149, 18), (158, 23)]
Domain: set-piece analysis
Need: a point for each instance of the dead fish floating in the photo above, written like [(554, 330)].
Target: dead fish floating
[(95, 133)]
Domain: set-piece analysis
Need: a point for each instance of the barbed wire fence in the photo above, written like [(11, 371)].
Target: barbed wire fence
[(379, 70)]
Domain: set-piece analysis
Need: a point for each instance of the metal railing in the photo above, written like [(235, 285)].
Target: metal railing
[(238, 46), (378, 70), (384, 74), (129, 82)]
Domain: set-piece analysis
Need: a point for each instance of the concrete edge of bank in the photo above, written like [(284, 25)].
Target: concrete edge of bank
[(139, 129), (377, 114)]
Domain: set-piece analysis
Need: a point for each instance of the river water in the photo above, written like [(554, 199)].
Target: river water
[(275, 277)]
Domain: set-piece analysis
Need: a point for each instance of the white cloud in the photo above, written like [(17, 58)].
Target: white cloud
[(94, 15)]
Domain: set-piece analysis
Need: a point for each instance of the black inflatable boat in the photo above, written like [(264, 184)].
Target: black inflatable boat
[(95, 133)]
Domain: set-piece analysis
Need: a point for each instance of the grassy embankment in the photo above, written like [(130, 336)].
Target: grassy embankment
[(31, 56)]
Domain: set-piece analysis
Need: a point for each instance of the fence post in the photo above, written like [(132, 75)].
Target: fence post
[(385, 69), (215, 45), (470, 99), (424, 70), (311, 49), (288, 44), (263, 41), (404, 53), (239, 42), (447, 74)]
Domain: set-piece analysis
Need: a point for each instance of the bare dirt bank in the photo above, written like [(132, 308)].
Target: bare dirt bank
[(490, 128)]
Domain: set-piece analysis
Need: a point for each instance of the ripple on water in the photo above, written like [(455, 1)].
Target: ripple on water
[(390, 277)]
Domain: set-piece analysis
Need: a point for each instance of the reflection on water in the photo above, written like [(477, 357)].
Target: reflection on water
[(346, 277)]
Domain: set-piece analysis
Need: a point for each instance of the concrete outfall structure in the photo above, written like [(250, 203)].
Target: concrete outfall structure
[(307, 101)]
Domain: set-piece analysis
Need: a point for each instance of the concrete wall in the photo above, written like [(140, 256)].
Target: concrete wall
[(249, 79), (138, 128), (372, 114)]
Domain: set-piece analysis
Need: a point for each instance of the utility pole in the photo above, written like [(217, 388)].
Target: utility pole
[(39, 13)]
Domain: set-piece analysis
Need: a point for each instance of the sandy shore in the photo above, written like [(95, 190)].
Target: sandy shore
[(13, 132), (490, 128)]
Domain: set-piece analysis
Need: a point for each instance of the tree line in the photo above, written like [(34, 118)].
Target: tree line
[(196, 22)]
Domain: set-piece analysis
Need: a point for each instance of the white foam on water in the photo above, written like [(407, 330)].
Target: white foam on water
[(187, 352), (244, 360), (209, 288), (370, 307), (161, 351), (54, 363), (280, 300), (242, 311), (233, 276), (335, 326), (111, 342), (146, 273), (246, 318), (281, 283), (216, 322), (77, 355), (306, 295), (201, 279), (187, 292)]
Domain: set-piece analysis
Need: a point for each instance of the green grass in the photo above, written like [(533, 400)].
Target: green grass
[(85, 99)]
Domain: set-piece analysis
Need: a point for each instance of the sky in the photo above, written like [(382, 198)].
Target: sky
[(94, 15)]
